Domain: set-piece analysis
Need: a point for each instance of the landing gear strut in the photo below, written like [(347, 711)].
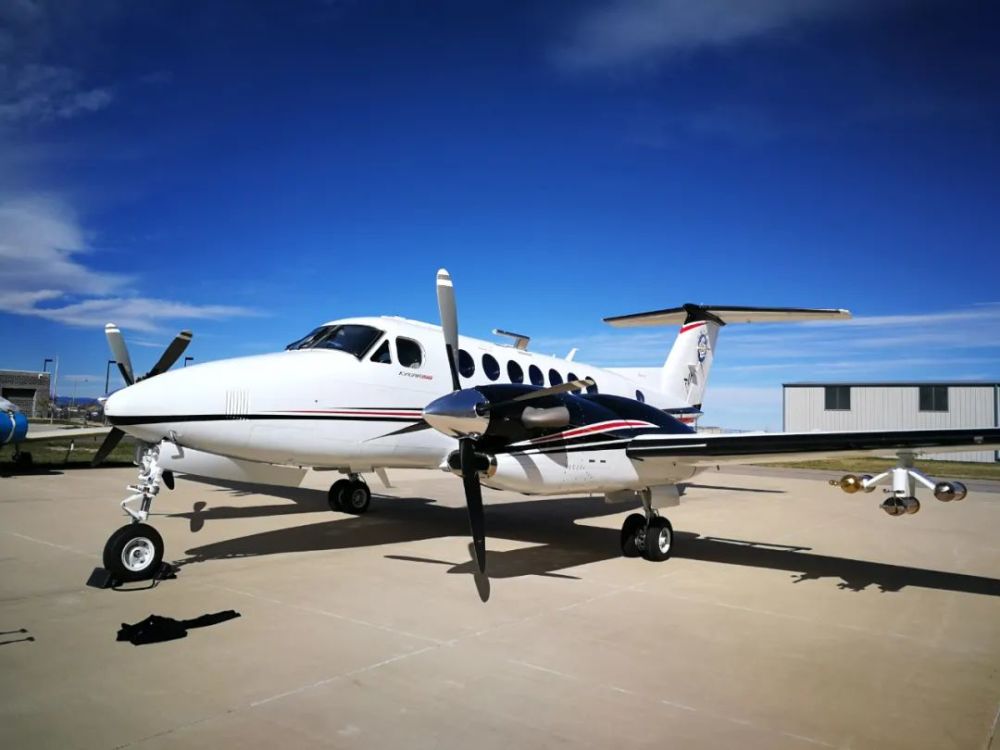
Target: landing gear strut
[(135, 551), (650, 535), (350, 495)]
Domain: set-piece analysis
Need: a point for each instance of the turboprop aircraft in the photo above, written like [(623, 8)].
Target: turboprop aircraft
[(365, 394)]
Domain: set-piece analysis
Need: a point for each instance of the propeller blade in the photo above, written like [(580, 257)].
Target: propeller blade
[(171, 354), (117, 343), (110, 442), (474, 500), (449, 323), (555, 390)]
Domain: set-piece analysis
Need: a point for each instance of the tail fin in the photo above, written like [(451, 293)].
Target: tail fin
[(685, 373)]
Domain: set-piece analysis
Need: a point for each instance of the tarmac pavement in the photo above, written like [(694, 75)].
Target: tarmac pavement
[(791, 616)]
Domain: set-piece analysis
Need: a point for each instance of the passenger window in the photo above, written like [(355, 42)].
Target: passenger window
[(409, 352), (491, 367), (382, 354), (592, 388), (514, 372), (555, 378), (640, 397), (535, 376), (466, 364)]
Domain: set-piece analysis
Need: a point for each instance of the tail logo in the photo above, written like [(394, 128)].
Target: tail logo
[(702, 347)]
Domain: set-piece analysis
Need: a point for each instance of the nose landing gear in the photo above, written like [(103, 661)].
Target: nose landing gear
[(135, 551), (350, 495)]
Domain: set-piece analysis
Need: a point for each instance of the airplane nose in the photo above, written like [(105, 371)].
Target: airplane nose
[(113, 404)]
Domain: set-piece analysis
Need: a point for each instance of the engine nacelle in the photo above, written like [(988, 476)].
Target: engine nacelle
[(13, 427), (948, 491)]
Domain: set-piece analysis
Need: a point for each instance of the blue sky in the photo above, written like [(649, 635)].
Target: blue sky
[(248, 170)]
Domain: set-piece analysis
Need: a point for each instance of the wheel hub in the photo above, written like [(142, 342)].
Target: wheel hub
[(138, 554), (663, 540)]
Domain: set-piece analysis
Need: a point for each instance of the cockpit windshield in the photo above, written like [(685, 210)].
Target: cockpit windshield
[(353, 339)]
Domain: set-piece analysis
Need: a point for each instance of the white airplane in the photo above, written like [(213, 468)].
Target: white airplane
[(364, 394)]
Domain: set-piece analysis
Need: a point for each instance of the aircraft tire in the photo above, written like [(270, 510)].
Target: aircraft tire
[(659, 540), (133, 553), (632, 525), (356, 498), (336, 495)]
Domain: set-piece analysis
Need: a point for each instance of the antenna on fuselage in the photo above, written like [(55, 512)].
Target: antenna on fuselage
[(520, 340)]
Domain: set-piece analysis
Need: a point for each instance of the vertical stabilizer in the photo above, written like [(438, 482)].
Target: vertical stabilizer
[(685, 372)]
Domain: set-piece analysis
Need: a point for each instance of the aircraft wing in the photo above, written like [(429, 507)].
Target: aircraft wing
[(769, 447), (52, 433)]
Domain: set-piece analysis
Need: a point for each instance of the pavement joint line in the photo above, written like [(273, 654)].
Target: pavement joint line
[(664, 701), (993, 730), (327, 613), (166, 732), (343, 675), (50, 544)]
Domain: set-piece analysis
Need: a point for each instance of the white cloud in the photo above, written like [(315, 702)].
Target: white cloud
[(625, 32), (35, 93), (42, 275)]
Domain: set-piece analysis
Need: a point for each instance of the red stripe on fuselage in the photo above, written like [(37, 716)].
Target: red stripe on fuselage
[(600, 427)]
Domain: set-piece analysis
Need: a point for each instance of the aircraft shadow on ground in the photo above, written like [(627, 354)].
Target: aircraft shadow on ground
[(556, 541)]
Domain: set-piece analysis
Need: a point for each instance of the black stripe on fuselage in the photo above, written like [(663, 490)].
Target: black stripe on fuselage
[(165, 418)]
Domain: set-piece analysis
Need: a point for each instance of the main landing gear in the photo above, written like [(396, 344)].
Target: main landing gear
[(650, 536), (350, 495), (135, 551)]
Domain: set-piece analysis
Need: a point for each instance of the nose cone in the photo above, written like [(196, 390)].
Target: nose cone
[(153, 397), (457, 414)]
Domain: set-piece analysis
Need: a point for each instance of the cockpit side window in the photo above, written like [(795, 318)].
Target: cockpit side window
[(351, 338), (409, 352), (382, 354), (305, 341)]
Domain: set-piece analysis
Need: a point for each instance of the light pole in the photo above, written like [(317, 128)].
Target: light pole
[(187, 359), (107, 375)]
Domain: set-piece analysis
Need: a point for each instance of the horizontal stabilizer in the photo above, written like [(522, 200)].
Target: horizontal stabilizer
[(723, 314)]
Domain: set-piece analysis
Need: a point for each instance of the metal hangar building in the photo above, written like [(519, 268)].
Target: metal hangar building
[(894, 405)]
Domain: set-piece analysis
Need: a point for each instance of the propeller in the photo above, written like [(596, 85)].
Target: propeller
[(465, 414), (110, 443), (468, 458), (117, 343), (120, 351), (449, 323)]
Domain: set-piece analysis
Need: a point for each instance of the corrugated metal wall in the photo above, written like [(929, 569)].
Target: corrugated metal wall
[(893, 407)]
